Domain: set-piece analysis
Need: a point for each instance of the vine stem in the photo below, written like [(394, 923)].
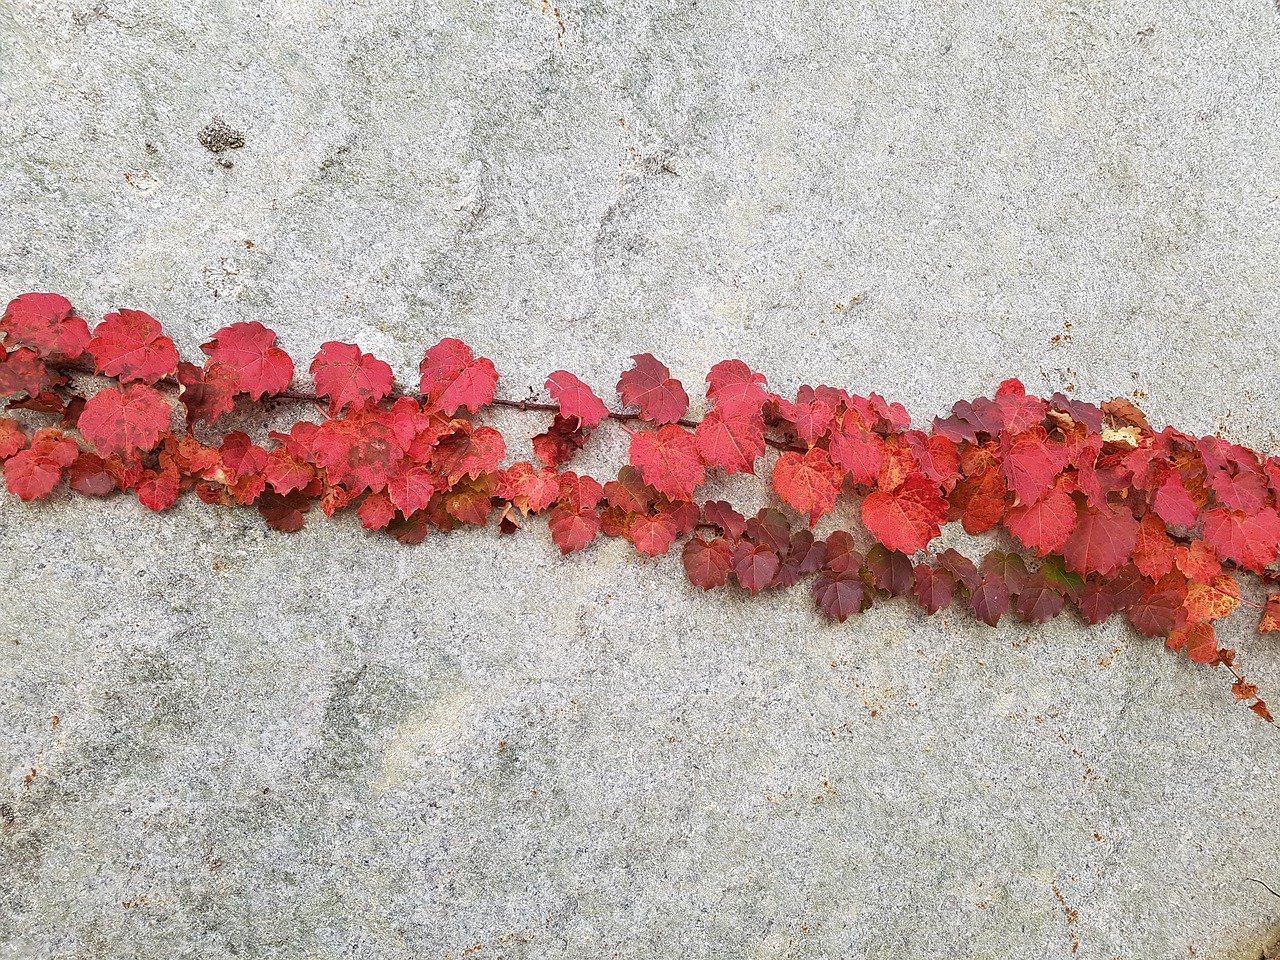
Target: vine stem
[(525, 405)]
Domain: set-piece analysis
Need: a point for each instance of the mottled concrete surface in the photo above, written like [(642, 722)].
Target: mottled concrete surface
[(217, 742)]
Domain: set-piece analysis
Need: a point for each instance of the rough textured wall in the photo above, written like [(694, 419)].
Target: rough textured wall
[(222, 742)]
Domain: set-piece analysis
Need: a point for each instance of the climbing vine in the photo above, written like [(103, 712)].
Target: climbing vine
[(1100, 513)]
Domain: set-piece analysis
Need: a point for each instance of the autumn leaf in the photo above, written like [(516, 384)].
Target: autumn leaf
[(839, 595), (22, 371), (346, 374), (907, 519), (1103, 540), (650, 386), (668, 460), (652, 535), (731, 441), (735, 390), (576, 399), (244, 354), (809, 483), (1044, 525), (572, 528), (129, 345), (33, 473), (46, 323), (755, 566), (707, 563), (126, 420)]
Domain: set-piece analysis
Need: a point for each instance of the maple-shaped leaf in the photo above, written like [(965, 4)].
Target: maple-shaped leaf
[(1102, 541), (989, 601), (755, 566), (531, 491), (1096, 601), (122, 421), (576, 399), (809, 483), (89, 476), (283, 512), (770, 527), (245, 353), (939, 457), (809, 420), (12, 437), (707, 563), (1008, 565), (286, 473), (22, 371), (1154, 551), (129, 345), (732, 440), (1197, 561), (1020, 410), (1239, 488), (890, 570), (1030, 462), (907, 519), (1269, 622), (240, 455), (1251, 540), (33, 473), (1157, 613), (839, 595), (469, 451), (581, 492), (1173, 504), (1038, 602), (652, 535), (1044, 525), (979, 501), (346, 374), (46, 323), (410, 489), (471, 501), (572, 528), (934, 588), (650, 386), (1213, 600), (1199, 640), (722, 515), (735, 389), (158, 489), (453, 377), (558, 444), (358, 452), (859, 451), (206, 394), (668, 460)]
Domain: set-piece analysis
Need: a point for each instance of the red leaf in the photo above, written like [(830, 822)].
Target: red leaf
[(89, 476), (668, 460), (810, 483), (907, 519), (283, 512), (652, 535), (1037, 601), (1030, 463), (731, 441), (934, 589), (729, 520), (33, 473), (1173, 504), (980, 500), (573, 528), (286, 473), (1251, 541), (839, 595), (158, 490), (247, 354), (707, 563), (558, 444), (581, 492), (650, 386), (1156, 613), (122, 421), (411, 488), (206, 394), (359, 452), (453, 377), (44, 322), (1199, 640), (735, 390), (128, 345), (1153, 552), (12, 437), (469, 451), (22, 371), (890, 570), (1045, 525), (859, 451), (755, 566), (576, 399), (990, 600), (1102, 541), (1269, 622), (345, 374)]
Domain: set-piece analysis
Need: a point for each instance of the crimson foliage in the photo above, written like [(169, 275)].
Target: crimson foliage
[(1106, 514)]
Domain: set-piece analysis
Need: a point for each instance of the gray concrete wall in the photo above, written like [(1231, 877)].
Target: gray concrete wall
[(218, 741)]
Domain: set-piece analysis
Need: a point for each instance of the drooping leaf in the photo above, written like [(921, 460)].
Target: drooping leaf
[(707, 562), (46, 323), (731, 441), (838, 595)]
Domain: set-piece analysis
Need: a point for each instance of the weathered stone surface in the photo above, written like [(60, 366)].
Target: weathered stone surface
[(223, 742)]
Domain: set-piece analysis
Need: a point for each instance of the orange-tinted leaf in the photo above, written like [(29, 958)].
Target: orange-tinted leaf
[(1102, 541), (22, 371), (731, 441), (907, 519), (809, 483), (1269, 622), (1045, 525), (573, 528)]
